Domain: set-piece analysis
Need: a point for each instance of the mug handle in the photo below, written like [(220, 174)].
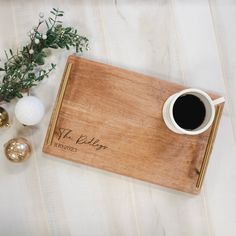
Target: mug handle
[(218, 101)]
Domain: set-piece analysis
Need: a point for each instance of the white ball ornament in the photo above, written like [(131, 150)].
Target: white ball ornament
[(29, 110), (36, 41), (44, 36), (31, 51), (41, 15)]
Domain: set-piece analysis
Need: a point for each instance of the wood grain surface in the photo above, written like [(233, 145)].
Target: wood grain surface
[(111, 119)]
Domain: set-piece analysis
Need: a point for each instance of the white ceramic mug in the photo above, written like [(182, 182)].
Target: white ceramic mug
[(209, 107)]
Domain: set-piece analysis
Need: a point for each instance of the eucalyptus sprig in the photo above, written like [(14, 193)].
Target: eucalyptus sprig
[(24, 69)]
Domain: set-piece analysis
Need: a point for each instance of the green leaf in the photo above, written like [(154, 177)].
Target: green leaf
[(6, 54), (47, 24), (68, 29), (53, 46), (51, 21), (53, 13), (60, 44), (19, 95), (31, 76), (40, 78), (11, 52), (30, 67), (55, 9), (39, 60), (1, 69), (60, 14), (53, 66)]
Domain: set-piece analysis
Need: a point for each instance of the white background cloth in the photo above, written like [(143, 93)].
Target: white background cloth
[(191, 42)]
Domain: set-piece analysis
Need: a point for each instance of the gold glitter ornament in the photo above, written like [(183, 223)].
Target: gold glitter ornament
[(3, 117), (18, 149)]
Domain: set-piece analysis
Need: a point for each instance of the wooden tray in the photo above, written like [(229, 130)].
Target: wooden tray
[(111, 118)]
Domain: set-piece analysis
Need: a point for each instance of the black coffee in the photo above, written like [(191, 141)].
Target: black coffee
[(189, 112)]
